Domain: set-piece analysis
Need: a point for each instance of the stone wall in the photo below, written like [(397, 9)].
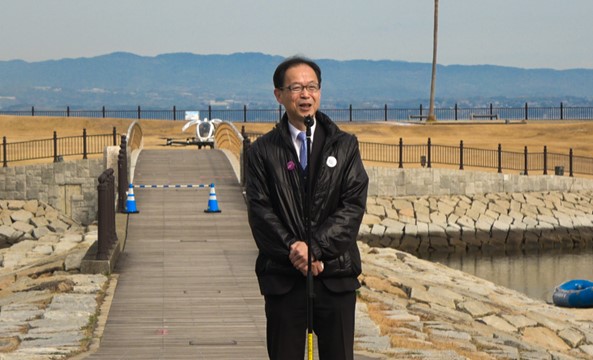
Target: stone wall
[(483, 222), (395, 182), (69, 186)]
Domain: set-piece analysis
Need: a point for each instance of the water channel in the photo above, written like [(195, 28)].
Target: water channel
[(534, 274)]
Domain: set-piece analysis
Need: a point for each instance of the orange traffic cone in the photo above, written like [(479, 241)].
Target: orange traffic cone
[(131, 201), (212, 202)]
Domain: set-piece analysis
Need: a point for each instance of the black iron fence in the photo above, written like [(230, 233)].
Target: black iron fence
[(525, 162), (379, 113), (56, 147)]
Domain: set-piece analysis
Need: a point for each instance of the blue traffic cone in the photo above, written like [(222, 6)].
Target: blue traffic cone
[(212, 202), (131, 201)]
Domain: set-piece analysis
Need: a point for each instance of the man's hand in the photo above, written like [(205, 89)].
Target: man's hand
[(299, 258)]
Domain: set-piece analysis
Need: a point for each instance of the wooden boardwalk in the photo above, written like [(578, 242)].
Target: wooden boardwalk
[(187, 287)]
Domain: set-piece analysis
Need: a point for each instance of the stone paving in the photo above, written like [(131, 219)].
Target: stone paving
[(408, 308), (47, 309)]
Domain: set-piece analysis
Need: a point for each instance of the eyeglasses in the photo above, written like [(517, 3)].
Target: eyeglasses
[(297, 88)]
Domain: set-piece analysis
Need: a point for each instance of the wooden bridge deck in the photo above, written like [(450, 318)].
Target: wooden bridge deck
[(187, 287)]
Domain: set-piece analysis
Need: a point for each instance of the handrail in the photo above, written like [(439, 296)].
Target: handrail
[(55, 147)]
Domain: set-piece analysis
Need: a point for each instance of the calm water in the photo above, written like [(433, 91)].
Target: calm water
[(534, 274)]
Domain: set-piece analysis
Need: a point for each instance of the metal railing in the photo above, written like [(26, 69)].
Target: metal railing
[(426, 155), (378, 113), (56, 147)]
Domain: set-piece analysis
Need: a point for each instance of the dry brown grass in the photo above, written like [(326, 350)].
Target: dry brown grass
[(558, 136)]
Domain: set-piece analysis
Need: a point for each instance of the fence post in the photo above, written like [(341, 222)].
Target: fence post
[(114, 136), (103, 111), (55, 146), (561, 111), (455, 111), (32, 110), (385, 112), (401, 153), (570, 162), (428, 163), (491, 111), (526, 112), (122, 175), (107, 235), (174, 112), (461, 155), (244, 113), (526, 172), (84, 143), (350, 112), (545, 160), (499, 159), (67, 111), (210, 112), (4, 161), (138, 112)]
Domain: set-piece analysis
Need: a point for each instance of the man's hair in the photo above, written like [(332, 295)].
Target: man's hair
[(291, 62)]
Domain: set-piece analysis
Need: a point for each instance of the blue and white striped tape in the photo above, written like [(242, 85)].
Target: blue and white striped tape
[(174, 186)]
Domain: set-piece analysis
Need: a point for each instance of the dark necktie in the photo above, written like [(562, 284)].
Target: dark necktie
[(303, 153)]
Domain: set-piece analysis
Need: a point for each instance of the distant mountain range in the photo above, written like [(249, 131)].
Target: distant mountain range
[(124, 80)]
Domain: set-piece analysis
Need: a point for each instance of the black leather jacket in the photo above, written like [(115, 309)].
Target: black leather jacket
[(275, 199)]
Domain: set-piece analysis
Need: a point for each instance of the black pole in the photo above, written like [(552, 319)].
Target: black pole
[(461, 155), (122, 175), (456, 111), (350, 112), (561, 111), (499, 158), (67, 111), (84, 149), (138, 112), (244, 113), (174, 112), (103, 111), (526, 111), (570, 162), (310, 294), (526, 171), (55, 146), (545, 160), (401, 153), (428, 163), (4, 161), (210, 112), (385, 112)]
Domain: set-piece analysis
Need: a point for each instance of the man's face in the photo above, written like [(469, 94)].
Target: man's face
[(299, 104)]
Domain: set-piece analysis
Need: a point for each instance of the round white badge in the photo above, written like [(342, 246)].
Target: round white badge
[(331, 161)]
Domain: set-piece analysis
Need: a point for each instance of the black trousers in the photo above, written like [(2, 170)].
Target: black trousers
[(333, 323)]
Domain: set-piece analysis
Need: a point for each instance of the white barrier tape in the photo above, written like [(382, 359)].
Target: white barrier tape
[(175, 186)]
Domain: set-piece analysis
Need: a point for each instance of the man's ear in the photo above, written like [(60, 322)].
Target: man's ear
[(277, 94)]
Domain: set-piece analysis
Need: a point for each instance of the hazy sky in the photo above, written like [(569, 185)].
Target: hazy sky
[(522, 33)]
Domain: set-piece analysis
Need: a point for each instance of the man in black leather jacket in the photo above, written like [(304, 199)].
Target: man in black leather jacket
[(275, 186)]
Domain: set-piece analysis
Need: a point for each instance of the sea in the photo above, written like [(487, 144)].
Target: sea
[(535, 273)]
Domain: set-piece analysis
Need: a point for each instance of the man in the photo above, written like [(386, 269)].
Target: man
[(275, 186)]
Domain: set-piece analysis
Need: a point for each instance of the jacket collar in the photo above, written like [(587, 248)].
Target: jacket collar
[(321, 119)]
